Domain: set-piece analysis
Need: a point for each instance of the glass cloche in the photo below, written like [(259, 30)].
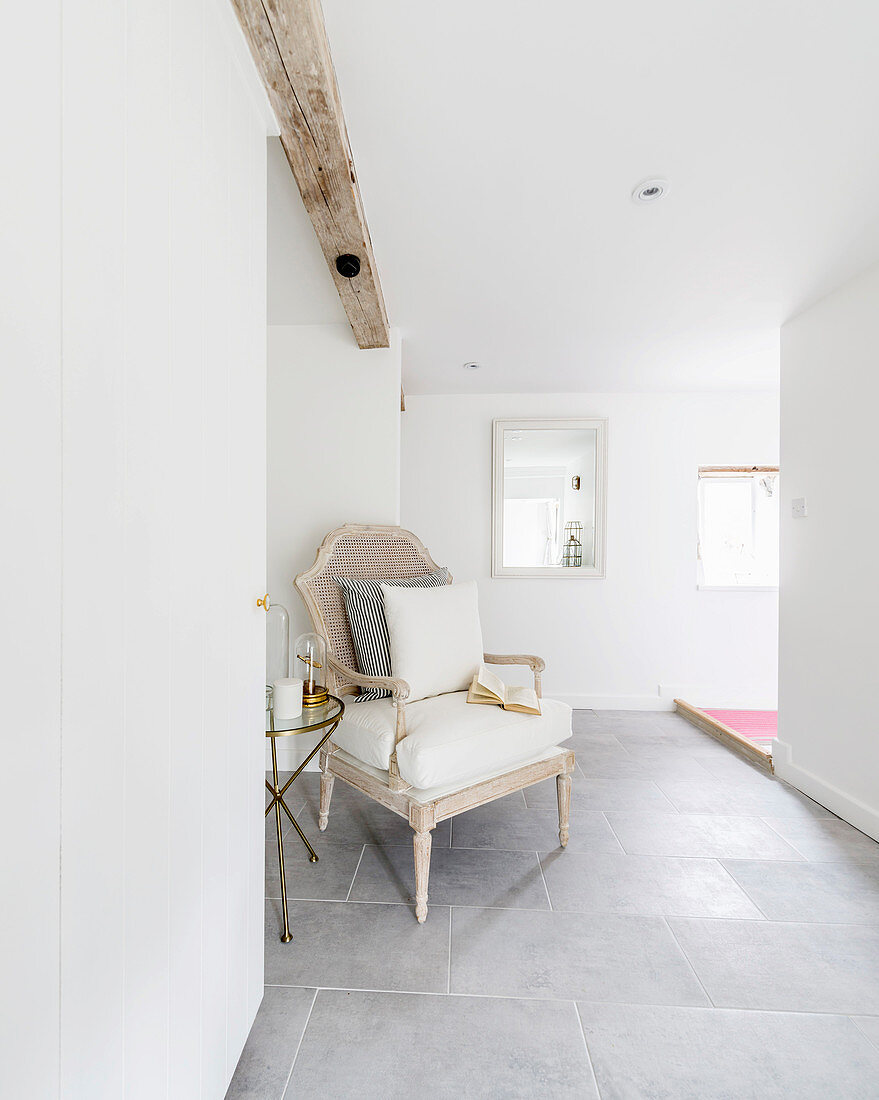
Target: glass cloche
[(310, 662), (277, 643)]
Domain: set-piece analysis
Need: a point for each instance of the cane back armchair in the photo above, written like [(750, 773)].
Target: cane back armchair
[(392, 553)]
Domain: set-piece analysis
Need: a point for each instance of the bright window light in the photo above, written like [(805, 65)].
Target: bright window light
[(531, 531), (738, 527)]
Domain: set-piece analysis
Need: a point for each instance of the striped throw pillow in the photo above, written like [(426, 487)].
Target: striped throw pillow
[(366, 618)]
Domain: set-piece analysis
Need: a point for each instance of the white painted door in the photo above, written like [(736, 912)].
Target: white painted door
[(164, 549), (132, 347)]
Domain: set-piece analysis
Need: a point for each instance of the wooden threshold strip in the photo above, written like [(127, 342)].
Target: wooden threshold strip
[(726, 735), (724, 471)]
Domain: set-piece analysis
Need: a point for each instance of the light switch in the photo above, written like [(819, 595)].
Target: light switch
[(798, 508)]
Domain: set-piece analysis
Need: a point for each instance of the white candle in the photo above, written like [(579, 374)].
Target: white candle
[(287, 698)]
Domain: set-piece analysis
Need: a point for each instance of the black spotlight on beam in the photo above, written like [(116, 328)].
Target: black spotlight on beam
[(348, 266)]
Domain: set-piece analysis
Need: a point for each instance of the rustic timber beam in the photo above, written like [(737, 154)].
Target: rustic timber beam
[(288, 42)]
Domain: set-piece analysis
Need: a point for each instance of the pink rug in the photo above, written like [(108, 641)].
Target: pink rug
[(756, 725)]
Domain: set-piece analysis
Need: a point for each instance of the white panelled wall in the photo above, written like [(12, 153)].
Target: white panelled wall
[(142, 235), (645, 633), (30, 548), (828, 652)]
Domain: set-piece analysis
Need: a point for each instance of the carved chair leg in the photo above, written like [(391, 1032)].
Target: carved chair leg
[(563, 788), (326, 793), (422, 873)]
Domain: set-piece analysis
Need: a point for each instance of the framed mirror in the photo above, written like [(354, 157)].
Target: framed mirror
[(548, 498)]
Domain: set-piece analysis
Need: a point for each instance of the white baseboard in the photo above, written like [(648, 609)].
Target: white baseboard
[(722, 696), (613, 702), (846, 806)]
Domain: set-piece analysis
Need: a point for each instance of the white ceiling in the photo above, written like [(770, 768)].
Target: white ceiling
[(497, 143)]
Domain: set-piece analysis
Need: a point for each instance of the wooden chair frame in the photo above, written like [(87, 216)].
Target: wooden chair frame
[(375, 551)]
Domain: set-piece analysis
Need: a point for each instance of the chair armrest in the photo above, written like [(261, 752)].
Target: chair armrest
[(536, 664), (399, 689)]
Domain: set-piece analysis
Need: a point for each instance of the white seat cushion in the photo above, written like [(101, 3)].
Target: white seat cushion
[(449, 740)]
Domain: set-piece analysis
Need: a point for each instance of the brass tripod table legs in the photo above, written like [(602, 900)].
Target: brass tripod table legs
[(278, 804)]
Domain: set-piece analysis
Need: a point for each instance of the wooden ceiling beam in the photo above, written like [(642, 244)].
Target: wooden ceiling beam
[(288, 41)]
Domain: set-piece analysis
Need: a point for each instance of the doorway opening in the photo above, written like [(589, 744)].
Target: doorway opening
[(737, 549)]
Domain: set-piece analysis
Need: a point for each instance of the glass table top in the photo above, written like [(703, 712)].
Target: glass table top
[(312, 718)]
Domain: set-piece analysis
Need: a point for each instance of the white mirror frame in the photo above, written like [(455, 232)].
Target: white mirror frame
[(498, 569)]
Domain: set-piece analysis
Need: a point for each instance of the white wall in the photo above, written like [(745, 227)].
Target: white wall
[(333, 452), (829, 654), (136, 390), (300, 288), (613, 642), (30, 548)]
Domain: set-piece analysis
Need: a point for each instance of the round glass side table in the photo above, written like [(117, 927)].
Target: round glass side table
[(323, 718)]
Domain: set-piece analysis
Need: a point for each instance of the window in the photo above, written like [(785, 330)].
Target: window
[(531, 529), (738, 527)]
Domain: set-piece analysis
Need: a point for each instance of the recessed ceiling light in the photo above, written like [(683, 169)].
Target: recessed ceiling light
[(472, 366), (651, 190)]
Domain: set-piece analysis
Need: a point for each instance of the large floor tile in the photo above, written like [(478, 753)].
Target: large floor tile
[(354, 946), (569, 956), (614, 721), (648, 885), (393, 1046), (648, 1053), (544, 795), (670, 765), (869, 1026), (327, 880), (458, 876), (597, 753), (500, 826), (271, 828), (294, 798), (713, 836), (668, 733), (709, 748), (267, 1058), (758, 799), (785, 967), (603, 794), (732, 767), (659, 749), (836, 893), (308, 785), (825, 839), (588, 736)]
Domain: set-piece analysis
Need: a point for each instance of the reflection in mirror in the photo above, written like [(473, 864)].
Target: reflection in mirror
[(548, 481), (546, 520)]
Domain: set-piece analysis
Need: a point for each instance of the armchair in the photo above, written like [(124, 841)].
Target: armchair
[(455, 756)]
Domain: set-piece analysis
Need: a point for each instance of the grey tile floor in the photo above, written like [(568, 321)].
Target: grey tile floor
[(709, 933)]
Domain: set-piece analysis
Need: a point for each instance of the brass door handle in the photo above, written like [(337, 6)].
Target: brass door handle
[(264, 602)]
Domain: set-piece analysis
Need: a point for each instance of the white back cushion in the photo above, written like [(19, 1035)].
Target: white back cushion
[(435, 635)]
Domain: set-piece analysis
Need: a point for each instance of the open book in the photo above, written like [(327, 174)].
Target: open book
[(491, 690)]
